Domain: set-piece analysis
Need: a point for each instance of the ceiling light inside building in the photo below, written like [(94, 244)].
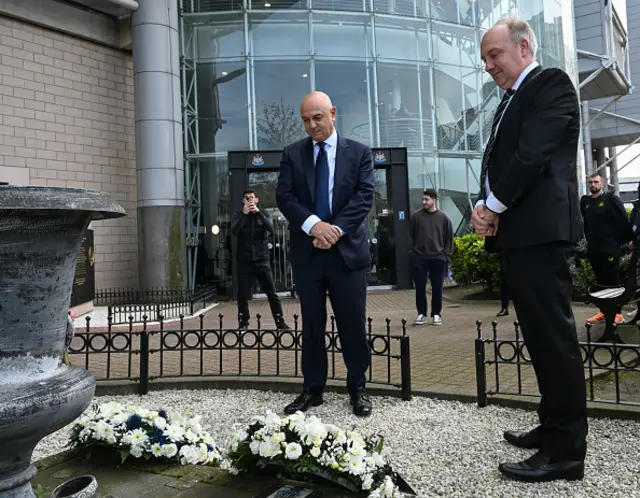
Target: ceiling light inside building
[(267, 5), (305, 75), (215, 229), (224, 73)]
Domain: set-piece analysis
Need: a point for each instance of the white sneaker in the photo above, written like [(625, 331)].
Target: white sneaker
[(437, 320), (420, 320)]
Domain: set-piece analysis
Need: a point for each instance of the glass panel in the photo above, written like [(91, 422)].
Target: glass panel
[(458, 11), (490, 11), (401, 39), (400, 113), (278, 35), (222, 106), (473, 106), (221, 39), (427, 109), (214, 175), (421, 175), (354, 5), (455, 182), (349, 94), (409, 8), (278, 4), (341, 35), (192, 6), (379, 225), (449, 107), (280, 88), (455, 45)]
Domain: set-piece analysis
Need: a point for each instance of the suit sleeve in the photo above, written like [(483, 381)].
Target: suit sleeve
[(542, 133), (288, 202), (353, 214)]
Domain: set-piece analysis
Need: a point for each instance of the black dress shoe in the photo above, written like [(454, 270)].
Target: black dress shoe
[(303, 402), (362, 405), (503, 312), (540, 468), (528, 440), (282, 325)]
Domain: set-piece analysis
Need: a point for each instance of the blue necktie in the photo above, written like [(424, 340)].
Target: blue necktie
[(322, 207)]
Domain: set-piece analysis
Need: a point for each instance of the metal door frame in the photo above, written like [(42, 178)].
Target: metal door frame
[(393, 159)]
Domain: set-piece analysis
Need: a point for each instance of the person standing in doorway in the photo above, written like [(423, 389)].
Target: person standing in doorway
[(325, 190), (251, 226), (431, 240), (606, 227)]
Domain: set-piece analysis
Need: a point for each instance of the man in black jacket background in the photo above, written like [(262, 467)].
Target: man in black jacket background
[(606, 228), (251, 226)]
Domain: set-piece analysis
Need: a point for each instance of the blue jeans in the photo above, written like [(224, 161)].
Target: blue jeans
[(434, 269)]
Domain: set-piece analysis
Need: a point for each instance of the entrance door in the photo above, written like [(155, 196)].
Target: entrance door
[(387, 223)]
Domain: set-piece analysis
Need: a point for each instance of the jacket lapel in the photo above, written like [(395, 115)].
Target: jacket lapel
[(338, 175), (514, 100), (309, 166)]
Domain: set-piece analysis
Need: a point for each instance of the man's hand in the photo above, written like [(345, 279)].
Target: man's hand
[(484, 221), (245, 208), (320, 245), (326, 234), (253, 208)]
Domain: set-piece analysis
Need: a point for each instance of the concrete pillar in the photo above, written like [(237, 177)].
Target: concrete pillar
[(600, 160), (586, 137), (159, 152), (613, 171)]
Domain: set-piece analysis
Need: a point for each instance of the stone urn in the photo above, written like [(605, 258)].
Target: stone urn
[(40, 234), (80, 487)]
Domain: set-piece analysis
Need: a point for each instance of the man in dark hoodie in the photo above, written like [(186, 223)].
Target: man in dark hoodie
[(634, 218)]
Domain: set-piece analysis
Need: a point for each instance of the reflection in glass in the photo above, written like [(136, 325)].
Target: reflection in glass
[(195, 6), (279, 89), (342, 35), (456, 45), (421, 176), (407, 8), (449, 107), (222, 106), (379, 225), (354, 5), (349, 93), (457, 11), (401, 39), (221, 39), (279, 34)]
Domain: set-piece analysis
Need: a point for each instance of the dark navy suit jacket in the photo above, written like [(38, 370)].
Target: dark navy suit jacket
[(352, 198)]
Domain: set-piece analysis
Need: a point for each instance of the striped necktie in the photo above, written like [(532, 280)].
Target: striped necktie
[(492, 138)]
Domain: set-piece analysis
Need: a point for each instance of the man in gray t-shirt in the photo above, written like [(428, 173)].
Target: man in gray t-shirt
[(431, 244)]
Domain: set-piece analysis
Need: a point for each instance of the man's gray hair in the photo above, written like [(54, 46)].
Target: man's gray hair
[(520, 30)]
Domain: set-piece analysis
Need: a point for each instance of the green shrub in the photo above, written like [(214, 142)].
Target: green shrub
[(471, 264)]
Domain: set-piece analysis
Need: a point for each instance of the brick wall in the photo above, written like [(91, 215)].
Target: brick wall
[(66, 117)]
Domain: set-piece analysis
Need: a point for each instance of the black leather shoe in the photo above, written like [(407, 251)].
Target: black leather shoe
[(282, 325), (362, 406), (303, 402), (528, 440), (503, 312), (540, 468), (243, 325)]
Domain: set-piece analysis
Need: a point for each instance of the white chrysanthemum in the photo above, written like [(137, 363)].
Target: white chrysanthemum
[(367, 482), (138, 437), (137, 451), (103, 430), (356, 466), (278, 437), (174, 432), (314, 430), (389, 489), (356, 448), (119, 418), (85, 434), (315, 452), (170, 450), (254, 446), (293, 451), (156, 450), (160, 423), (191, 437)]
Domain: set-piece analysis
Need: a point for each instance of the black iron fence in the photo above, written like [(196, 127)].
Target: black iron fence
[(159, 295), (172, 304), (503, 367), (144, 354)]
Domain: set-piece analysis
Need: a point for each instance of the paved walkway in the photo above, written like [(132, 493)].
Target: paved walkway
[(442, 357)]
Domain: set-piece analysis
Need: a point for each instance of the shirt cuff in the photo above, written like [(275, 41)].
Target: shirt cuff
[(495, 205), (339, 230), (309, 223), (480, 203)]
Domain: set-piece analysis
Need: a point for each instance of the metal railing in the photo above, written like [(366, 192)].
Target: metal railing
[(143, 354), (503, 367)]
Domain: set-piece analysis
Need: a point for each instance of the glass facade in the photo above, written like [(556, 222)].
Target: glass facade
[(402, 73)]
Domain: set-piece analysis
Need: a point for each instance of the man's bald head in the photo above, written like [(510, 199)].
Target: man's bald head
[(318, 115)]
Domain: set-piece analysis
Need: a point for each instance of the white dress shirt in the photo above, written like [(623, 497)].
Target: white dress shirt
[(330, 147), (492, 202)]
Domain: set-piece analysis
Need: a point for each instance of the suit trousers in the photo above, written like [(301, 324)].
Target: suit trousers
[(248, 272), (326, 271), (606, 268), (540, 286)]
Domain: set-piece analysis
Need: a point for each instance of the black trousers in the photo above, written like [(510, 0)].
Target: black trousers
[(348, 294), (247, 273), (606, 268), (504, 292), (540, 285)]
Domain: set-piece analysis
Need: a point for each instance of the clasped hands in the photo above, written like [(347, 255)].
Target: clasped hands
[(324, 235), (484, 221)]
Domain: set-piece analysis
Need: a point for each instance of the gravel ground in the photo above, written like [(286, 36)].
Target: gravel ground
[(442, 448)]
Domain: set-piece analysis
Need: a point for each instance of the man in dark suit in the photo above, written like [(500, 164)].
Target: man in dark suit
[(529, 209), (325, 190)]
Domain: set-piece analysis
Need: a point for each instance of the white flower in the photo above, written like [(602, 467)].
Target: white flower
[(378, 460), (269, 449), (367, 482), (156, 450), (356, 466), (136, 451), (119, 418), (174, 432), (293, 451), (315, 452), (138, 437), (278, 437), (254, 446), (170, 450), (103, 430), (160, 423), (191, 436), (389, 487)]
